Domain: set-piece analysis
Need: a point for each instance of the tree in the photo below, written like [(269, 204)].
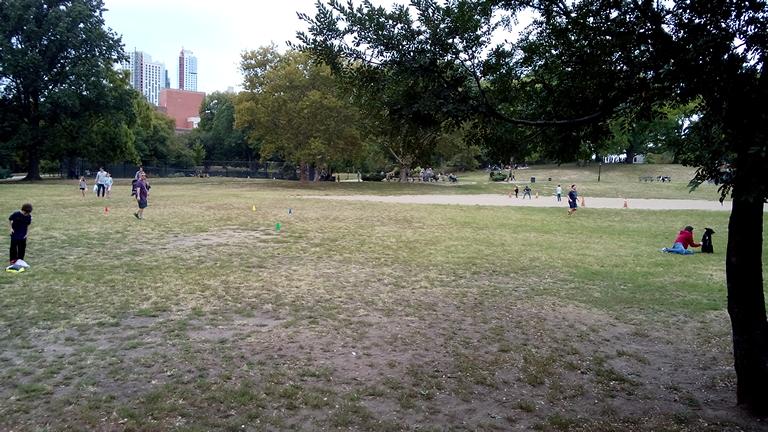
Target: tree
[(291, 106), (579, 64), (218, 134), (56, 62), (635, 134), (153, 133)]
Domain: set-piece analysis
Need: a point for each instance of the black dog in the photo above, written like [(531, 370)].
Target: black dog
[(706, 241)]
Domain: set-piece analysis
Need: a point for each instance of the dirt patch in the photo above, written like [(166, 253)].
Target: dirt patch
[(239, 327), (223, 237)]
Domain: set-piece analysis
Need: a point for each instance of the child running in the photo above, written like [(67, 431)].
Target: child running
[(83, 186)]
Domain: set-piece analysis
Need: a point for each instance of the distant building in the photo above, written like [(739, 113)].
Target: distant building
[(146, 76), (182, 106), (187, 71)]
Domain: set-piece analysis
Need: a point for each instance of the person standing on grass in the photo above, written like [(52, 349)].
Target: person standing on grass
[(559, 193), (83, 186), (101, 179), (136, 178), (682, 241), (142, 194), (108, 185), (527, 191), (572, 200), (20, 222), (517, 191)]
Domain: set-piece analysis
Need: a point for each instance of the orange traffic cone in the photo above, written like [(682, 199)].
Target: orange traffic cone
[(106, 211), (582, 202)]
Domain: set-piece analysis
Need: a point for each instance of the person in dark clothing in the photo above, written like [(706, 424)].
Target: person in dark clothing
[(527, 191), (572, 203), (20, 222), (142, 195)]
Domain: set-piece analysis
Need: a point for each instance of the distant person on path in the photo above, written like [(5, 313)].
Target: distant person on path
[(101, 180), (559, 193), (20, 222), (517, 191), (141, 190), (527, 191), (683, 240), (572, 200), (83, 186)]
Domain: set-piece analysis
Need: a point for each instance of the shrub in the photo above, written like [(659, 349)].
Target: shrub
[(49, 167), (373, 177), (498, 176), (660, 158)]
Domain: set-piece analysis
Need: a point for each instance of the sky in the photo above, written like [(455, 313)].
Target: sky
[(217, 32)]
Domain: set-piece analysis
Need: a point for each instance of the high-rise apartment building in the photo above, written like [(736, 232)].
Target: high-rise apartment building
[(146, 76), (187, 71)]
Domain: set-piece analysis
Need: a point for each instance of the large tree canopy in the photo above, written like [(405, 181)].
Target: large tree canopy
[(56, 75), (217, 132), (575, 67), (292, 107)]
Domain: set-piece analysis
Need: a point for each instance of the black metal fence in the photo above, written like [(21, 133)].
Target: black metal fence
[(242, 169)]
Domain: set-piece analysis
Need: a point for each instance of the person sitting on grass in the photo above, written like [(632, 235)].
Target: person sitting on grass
[(683, 240)]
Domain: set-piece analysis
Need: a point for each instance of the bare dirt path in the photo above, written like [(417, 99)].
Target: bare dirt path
[(548, 201)]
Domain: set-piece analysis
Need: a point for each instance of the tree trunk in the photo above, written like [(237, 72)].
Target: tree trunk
[(303, 172), (33, 161), (746, 302), (405, 171)]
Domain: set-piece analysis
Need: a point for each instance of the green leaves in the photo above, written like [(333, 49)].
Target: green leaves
[(293, 110), (56, 76)]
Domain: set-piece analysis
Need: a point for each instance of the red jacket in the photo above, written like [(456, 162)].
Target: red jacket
[(686, 238)]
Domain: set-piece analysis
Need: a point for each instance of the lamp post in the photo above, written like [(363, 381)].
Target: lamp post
[(599, 168)]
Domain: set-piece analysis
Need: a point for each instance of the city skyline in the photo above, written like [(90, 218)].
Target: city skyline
[(217, 32), (146, 76)]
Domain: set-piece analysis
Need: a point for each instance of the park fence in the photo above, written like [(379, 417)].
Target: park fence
[(241, 169)]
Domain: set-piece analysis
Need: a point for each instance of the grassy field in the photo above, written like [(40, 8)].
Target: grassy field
[(363, 316)]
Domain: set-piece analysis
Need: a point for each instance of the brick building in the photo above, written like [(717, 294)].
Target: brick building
[(182, 106)]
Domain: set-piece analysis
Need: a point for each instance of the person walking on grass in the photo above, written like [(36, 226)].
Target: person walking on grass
[(141, 191), (573, 196), (101, 180), (136, 178), (108, 184), (517, 191), (559, 193), (83, 186), (20, 222)]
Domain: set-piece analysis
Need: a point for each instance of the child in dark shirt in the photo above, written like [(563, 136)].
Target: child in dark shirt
[(20, 221)]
